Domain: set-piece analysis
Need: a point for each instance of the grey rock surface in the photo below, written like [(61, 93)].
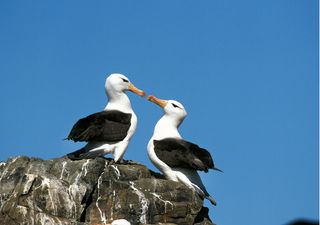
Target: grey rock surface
[(94, 191)]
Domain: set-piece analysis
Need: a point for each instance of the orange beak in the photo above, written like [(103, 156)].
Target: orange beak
[(160, 102), (139, 92)]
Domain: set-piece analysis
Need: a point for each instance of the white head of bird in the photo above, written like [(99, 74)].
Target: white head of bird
[(174, 111), (115, 86), (118, 83)]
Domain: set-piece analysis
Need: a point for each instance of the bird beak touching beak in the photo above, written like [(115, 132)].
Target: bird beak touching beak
[(132, 88), (160, 102)]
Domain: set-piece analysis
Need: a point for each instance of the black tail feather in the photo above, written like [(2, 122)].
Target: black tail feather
[(213, 202), (215, 168), (83, 153), (77, 155)]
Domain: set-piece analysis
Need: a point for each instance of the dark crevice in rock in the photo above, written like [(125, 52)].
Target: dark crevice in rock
[(30, 188), (202, 215), (87, 203)]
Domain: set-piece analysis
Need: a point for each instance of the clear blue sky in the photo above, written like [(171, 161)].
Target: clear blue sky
[(246, 72)]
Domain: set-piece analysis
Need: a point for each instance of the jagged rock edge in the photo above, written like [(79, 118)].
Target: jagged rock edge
[(89, 197)]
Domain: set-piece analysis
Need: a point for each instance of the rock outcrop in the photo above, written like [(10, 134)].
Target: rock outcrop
[(96, 191)]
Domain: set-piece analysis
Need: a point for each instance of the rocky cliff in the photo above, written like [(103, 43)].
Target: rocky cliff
[(96, 191)]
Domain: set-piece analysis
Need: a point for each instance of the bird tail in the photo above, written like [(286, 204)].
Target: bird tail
[(213, 202), (215, 168), (84, 153), (77, 155), (203, 193)]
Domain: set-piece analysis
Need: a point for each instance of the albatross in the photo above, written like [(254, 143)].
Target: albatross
[(110, 130), (178, 159)]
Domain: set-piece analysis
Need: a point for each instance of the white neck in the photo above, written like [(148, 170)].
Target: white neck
[(118, 101), (166, 127)]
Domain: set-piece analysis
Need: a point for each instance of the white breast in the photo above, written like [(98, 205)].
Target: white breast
[(133, 126)]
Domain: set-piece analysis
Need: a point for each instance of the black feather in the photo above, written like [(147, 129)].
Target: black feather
[(106, 126), (180, 153)]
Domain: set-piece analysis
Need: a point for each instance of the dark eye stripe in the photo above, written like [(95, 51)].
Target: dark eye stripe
[(124, 80), (174, 105)]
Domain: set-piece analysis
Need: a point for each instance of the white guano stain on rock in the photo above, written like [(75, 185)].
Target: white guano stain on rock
[(4, 173), (164, 201), (116, 170), (102, 214), (84, 167), (29, 181), (63, 169), (14, 159), (51, 192), (77, 191), (83, 171), (144, 203)]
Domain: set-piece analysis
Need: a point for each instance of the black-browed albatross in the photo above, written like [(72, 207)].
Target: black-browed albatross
[(175, 157), (110, 130)]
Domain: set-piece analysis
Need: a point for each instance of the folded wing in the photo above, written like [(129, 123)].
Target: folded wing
[(106, 126), (180, 153)]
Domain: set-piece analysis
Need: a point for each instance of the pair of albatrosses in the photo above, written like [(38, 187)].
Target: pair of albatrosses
[(110, 131)]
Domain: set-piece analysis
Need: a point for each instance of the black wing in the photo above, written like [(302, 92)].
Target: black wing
[(109, 126), (179, 153)]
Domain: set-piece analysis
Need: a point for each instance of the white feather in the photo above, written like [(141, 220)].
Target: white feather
[(118, 100), (167, 127)]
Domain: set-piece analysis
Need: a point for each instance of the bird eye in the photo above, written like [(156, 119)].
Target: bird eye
[(125, 80), (174, 105)]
